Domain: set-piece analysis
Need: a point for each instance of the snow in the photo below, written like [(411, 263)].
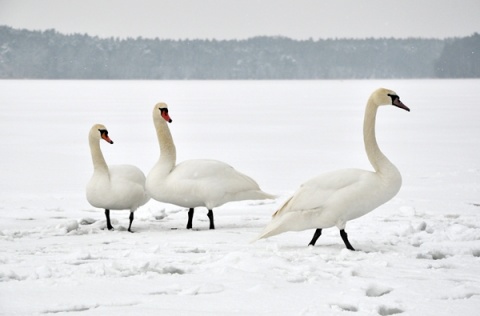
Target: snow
[(418, 254)]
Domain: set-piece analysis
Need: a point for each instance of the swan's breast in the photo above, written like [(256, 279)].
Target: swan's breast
[(123, 188), (373, 191)]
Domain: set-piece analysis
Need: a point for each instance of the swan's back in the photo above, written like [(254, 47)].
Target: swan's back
[(128, 173)]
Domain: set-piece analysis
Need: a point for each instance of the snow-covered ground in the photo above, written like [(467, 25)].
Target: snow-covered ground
[(419, 254)]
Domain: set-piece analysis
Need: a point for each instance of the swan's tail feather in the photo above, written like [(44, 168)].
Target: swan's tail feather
[(275, 226), (279, 211), (252, 195), (272, 229), (260, 195), (269, 196)]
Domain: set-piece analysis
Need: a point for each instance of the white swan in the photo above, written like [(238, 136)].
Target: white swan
[(117, 187), (334, 198), (195, 183)]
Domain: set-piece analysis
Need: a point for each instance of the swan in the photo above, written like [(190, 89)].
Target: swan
[(195, 183), (117, 187), (334, 198)]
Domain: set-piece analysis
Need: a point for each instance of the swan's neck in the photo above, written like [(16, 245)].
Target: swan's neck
[(379, 161), (99, 163), (168, 153)]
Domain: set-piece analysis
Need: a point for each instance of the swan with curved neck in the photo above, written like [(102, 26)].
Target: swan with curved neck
[(116, 187), (334, 198), (198, 182)]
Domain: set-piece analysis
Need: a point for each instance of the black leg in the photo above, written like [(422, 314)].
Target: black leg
[(107, 215), (344, 235), (317, 234), (131, 220), (210, 216), (190, 218)]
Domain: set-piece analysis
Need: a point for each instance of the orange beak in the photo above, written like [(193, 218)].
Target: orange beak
[(166, 117), (106, 138)]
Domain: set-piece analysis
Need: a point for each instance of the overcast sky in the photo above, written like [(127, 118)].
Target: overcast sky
[(239, 19)]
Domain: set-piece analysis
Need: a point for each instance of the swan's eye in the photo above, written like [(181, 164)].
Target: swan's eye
[(394, 97), (103, 131), (163, 110)]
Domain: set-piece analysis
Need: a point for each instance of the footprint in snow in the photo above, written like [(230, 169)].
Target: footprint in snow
[(74, 308), (385, 311), (377, 291), (87, 221), (433, 255), (193, 290), (158, 214), (344, 308)]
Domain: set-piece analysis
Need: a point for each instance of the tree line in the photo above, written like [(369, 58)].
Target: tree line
[(48, 54)]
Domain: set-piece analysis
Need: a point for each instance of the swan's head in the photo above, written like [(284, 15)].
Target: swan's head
[(99, 131), (384, 96), (160, 110)]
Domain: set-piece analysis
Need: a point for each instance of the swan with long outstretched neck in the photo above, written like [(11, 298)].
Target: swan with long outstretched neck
[(198, 182), (119, 187), (334, 198)]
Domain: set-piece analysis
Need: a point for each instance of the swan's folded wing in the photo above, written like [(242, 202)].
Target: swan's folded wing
[(213, 173), (198, 168), (318, 192)]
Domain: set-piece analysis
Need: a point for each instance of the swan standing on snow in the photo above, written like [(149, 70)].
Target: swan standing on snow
[(116, 187), (195, 183), (336, 197)]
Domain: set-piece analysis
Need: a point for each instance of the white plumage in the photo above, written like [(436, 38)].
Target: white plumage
[(119, 187), (195, 183), (334, 198)]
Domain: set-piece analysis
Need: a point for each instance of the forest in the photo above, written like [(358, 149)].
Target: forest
[(26, 54)]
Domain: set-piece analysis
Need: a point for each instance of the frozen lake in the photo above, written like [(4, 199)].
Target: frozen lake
[(419, 254)]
